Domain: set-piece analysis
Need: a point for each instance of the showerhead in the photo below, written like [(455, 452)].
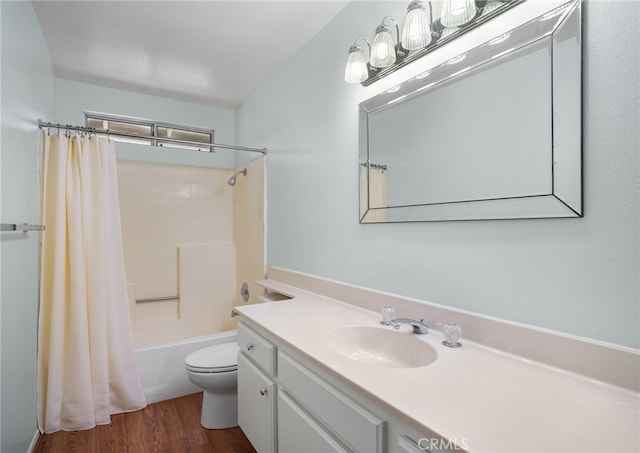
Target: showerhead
[(232, 180)]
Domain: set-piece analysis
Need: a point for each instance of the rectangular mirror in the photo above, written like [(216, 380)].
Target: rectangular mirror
[(494, 133)]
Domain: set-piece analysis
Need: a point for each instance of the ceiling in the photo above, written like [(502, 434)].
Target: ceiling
[(212, 52)]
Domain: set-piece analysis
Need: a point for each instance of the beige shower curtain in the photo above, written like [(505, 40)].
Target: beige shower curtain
[(373, 193), (87, 366)]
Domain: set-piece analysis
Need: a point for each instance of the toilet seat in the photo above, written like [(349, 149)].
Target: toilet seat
[(219, 358)]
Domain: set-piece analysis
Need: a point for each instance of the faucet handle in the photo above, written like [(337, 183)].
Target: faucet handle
[(451, 332), (388, 313)]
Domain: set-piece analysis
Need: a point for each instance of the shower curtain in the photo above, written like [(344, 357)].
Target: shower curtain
[(373, 192), (86, 366)]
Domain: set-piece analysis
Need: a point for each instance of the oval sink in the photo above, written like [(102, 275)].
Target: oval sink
[(381, 347)]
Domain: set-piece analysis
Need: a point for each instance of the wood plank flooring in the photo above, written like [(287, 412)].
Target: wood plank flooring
[(171, 426)]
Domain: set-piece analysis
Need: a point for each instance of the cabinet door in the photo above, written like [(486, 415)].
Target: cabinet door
[(409, 446), (298, 432), (354, 425), (256, 405)]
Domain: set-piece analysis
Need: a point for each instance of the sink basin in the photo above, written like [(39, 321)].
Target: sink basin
[(381, 347)]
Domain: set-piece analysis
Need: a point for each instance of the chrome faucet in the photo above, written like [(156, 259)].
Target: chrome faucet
[(418, 326)]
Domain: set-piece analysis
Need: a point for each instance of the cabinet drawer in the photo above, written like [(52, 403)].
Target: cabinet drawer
[(256, 405), (258, 348), (350, 422), (409, 446), (297, 432)]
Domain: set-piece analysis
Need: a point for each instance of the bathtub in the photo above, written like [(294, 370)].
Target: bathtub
[(162, 370)]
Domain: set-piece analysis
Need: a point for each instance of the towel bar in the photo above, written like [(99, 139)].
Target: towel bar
[(153, 299), (20, 227)]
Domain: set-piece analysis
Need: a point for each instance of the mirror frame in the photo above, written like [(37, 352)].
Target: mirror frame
[(565, 197)]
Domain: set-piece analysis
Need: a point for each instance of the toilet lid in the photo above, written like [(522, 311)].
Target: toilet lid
[(217, 358)]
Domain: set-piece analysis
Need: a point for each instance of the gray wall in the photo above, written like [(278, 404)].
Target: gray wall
[(578, 276), (27, 94)]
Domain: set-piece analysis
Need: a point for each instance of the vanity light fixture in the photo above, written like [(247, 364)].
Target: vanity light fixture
[(383, 51), (446, 31), (356, 70), (421, 33), (456, 13), (490, 6), (416, 31)]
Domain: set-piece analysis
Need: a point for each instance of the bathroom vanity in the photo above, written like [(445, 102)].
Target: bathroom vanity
[(309, 380), (304, 408)]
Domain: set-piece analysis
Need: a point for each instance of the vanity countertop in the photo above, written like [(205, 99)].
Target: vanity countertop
[(480, 398)]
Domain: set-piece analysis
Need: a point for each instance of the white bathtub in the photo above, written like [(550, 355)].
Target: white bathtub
[(162, 370)]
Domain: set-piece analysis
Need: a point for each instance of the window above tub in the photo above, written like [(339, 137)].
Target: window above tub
[(149, 132)]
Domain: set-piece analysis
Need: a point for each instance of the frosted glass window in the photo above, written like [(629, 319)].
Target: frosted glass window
[(144, 130), (183, 134), (148, 132)]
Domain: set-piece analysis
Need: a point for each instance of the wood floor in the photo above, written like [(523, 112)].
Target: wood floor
[(171, 426)]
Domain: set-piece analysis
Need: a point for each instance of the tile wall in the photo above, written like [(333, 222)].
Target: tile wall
[(179, 240), (249, 227)]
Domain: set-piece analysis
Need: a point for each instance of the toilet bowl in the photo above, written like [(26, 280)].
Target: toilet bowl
[(215, 370)]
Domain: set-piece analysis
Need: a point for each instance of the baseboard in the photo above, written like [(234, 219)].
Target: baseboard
[(32, 445)]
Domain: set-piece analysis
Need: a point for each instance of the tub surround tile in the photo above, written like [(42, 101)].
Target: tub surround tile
[(156, 311), (248, 214), (164, 206), (207, 285)]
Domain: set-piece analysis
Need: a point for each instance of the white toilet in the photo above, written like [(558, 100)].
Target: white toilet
[(215, 370)]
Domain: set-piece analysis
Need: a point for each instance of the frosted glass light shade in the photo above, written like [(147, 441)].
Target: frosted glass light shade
[(416, 32), (356, 69), (457, 12), (491, 5), (383, 52)]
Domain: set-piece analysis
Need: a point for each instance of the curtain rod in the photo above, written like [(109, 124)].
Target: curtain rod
[(92, 130)]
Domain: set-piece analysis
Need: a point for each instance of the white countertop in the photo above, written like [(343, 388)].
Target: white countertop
[(482, 399)]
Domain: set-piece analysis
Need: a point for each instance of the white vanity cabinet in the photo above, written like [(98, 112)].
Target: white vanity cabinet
[(340, 417), (299, 432), (287, 404), (257, 348), (256, 389)]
